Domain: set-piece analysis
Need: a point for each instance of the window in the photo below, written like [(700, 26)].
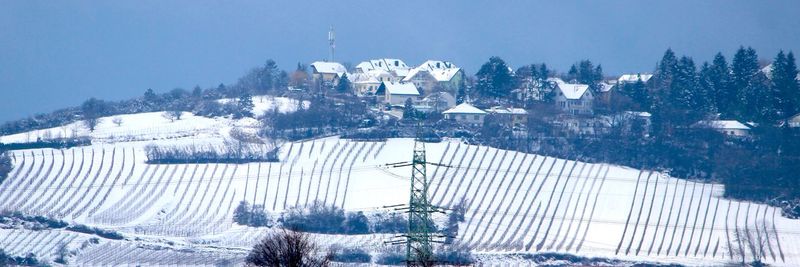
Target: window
[(463, 117), (477, 117)]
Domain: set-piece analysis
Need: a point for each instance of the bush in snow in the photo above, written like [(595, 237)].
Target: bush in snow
[(28, 260), (456, 216), (389, 223), (254, 215), (350, 255), (5, 165), (454, 255), (231, 152), (316, 218)]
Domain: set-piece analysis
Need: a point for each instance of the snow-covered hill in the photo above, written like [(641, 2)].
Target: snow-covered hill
[(517, 202)]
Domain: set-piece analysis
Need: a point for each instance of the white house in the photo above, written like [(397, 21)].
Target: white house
[(433, 74), (632, 78), (466, 114), (397, 93), (395, 67), (510, 116), (367, 83), (436, 102), (727, 127), (794, 121), (575, 99), (327, 72)]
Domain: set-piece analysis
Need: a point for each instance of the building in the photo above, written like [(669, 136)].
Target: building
[(367, 83), (794, 121), (327, 72), (510, 116), (632, 78), (396, 67), (532, 89), (434, 75), (465, 114), (575, 99), (436, 102), (396, 94), (727, 127)]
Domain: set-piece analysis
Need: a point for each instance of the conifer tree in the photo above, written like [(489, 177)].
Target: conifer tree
[(718, 77), (785, 85), (743, 71), (494, 78)]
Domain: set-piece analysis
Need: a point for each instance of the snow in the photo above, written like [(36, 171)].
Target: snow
[(518, 203), (464, 108), (393, 88), (573, 91), (329, 67), (632, 78), (724, 124)]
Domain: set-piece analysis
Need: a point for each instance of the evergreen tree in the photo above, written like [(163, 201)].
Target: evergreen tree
[(344, 84), (245, 106), (705, 87), (494, 78), (743, 71), (409, 112), (268, 76), (586, 73), (785, 85), (461, 94), (660, 86), (718, 78)]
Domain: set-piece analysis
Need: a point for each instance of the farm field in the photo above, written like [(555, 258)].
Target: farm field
[(516, 203)]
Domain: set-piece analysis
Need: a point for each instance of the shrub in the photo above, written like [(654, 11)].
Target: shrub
[(231, 152), (49, 143), (356, 223), (95, 231), (255, 215), (351, 255), (287, 248), (28, 260), (455, 255), (5, 165), (391, 258), (390, 223), (317, 218)]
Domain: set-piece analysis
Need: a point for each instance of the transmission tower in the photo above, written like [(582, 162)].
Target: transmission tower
[(421, 232), (418, 241)]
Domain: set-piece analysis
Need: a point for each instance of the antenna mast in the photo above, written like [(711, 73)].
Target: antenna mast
[(332, 42)]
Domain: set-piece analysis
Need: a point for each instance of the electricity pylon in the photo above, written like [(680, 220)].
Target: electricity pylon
[(418, 241), (421, 229)]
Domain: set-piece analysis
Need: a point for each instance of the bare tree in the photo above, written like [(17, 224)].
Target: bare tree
[(172, 115), (91, 123), (287, 248), (752, 243), (117, 121)]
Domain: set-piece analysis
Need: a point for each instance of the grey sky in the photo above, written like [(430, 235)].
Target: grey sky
[(57, 53)]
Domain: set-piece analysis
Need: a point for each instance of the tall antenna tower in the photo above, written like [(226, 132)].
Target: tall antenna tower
[(332, 42)]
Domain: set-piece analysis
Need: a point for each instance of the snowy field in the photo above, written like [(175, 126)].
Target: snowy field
[(517, 202)]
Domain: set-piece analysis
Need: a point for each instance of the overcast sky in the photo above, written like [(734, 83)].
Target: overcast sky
[(55, 54)]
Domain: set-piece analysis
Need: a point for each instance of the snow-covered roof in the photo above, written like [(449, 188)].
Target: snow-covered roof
[(638, 113), (504, 110), (440, 75), (464, 108), (573, 91), (555, 80), (605, 87), (329, 67), (632, 78), (387, 64), (436, 65), (362, 78), (393, 88), (723, 124)]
